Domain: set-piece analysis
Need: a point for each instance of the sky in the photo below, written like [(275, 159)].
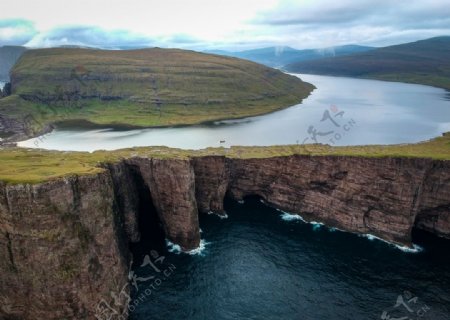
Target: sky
[(217, 24)]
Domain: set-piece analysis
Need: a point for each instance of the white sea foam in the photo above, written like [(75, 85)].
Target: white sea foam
[(291, 217), (172, 247), (286, 216), (223, 215), (415, 249), (316, 225), (175, 248)]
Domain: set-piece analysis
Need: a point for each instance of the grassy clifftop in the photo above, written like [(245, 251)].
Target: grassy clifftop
[(148, 87), (33, 166)]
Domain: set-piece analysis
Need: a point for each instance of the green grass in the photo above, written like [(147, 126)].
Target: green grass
[(439, 81), (34, 166), (146, 88), (423, 62)]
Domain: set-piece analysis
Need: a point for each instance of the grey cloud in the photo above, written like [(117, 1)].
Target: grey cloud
[(320, 12), (182, 39), (90, 36), (16, 31), (324, 12), (328, 22), (300, 24)]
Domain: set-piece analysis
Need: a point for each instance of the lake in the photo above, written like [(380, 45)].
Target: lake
[(341, 111)]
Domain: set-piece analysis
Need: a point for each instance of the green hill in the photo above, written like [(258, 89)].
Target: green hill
[(424, 62), (148, 87)]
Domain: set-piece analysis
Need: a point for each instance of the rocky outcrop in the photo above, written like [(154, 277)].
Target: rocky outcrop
[(433, 200), (14, 129), (172, 187), (64, 243), (212, 176)]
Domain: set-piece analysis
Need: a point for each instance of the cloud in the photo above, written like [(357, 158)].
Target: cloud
[(348, 12), (328, 22), (90, 36), (317, 12), (16, 31), (232, 25), (181, 39), (93, 36)]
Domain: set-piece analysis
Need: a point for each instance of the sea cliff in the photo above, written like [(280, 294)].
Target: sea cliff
[(64, 242)]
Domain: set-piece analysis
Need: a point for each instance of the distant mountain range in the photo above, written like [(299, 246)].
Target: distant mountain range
[(8, 57), (281, 56), (424, 62)]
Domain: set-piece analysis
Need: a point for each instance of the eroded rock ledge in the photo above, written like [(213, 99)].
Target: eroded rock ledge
[(64, 243)]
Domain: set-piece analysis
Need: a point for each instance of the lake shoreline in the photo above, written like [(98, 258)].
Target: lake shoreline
[(356, 112), (13, 140)]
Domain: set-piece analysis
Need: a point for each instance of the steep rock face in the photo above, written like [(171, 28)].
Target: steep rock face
[(385, 197), (172, 186), (433, 204), (211, 182), (61, 249), (126, 195), (64, 243), (376, 196)]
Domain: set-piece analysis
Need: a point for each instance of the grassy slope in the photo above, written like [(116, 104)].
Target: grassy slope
[(149, 87), (32, 166), (423, 62)]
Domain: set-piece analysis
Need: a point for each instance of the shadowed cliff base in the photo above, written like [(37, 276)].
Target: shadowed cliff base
[(151, 232)]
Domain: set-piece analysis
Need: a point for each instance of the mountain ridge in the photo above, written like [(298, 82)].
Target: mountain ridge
[(422, 62), (279, 56)]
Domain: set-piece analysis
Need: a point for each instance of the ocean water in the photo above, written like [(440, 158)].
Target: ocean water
[(261, 264)]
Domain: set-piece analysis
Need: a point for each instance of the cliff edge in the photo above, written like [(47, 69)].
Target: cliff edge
[(65, 235)]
